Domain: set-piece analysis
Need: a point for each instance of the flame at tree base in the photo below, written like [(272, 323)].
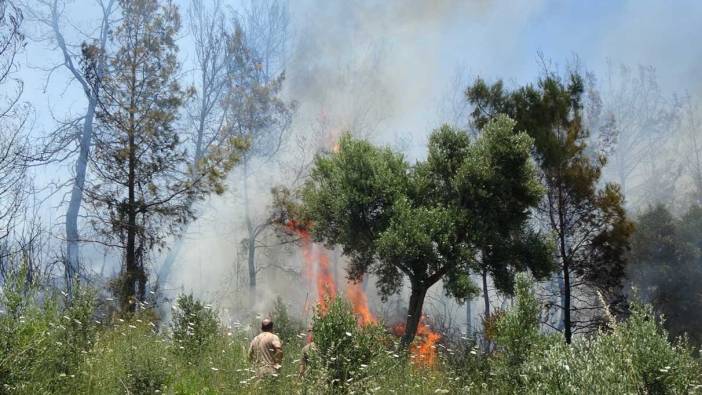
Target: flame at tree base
[(317, 271), (423, 348)]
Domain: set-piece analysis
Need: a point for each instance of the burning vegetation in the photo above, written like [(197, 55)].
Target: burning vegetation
[(318, 275)]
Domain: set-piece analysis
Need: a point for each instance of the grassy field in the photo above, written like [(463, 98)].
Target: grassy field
[(47, 348)]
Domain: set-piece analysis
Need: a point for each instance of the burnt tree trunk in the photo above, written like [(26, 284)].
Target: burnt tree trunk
[(414, 314), (131, 272), (567, 330), (486, 295)]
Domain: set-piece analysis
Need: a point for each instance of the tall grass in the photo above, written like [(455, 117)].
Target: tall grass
[(48, 347)]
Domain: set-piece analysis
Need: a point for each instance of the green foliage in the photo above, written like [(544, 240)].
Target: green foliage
[(345, 350), (666, 267), (43, 339), (517, 332), (635, 357), (133, 357), (145, 181), (589, 222), (428, 221), (194, 326), (288, 328), (129, 357)]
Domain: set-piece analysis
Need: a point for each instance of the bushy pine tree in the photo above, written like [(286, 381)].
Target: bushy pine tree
[(589, 222), (145, 184)]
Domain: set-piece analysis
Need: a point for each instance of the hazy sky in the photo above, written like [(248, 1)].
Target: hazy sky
[(391, 66), (493, 39)]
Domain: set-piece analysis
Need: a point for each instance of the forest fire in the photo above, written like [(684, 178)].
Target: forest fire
[(316, 265), (326, 287), (423, 349), (359, 301), (317, 271)]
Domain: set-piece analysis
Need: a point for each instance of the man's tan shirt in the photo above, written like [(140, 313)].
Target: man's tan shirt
[(266, 353)]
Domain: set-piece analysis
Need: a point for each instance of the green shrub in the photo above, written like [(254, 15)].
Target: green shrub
[(345, 351), (634, 357), (286, 327), (194, 327), (43, 337), (517, 332), (129, 357)]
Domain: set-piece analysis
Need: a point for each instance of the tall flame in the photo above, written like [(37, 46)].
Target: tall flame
[(359, 301), (317, 271), (316, 265), (326, 287)]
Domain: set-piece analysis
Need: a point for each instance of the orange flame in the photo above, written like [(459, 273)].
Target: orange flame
[(315, 256), (323, 279), (326, 287), (359, 301), (423, 348)]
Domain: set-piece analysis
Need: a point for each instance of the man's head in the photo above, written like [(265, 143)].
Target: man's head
[(267, 325)]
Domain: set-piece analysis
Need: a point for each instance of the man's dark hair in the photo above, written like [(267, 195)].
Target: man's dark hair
[(267, 325)]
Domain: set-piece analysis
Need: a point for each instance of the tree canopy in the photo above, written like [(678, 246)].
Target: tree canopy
[(588, 221), (425, 222)]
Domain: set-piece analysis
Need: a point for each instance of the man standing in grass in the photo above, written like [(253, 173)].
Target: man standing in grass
[(307, 351), (266, 351)]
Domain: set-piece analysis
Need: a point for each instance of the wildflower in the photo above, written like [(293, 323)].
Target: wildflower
[(348, 334), (214, 369)]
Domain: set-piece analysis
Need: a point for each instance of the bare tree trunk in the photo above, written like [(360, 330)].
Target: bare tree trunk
[(131, 270), (559, 284), (72, 264), (414, 314), (72, 269), (566, 304), (250, 230), (131, 274), (486, 295), (469, 319)]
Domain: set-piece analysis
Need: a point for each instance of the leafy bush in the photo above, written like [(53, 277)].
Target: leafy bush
[(43, 337), (128, 357), (286, 327), (194, 326), (516, 331), (634, 357), (344, 349)]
